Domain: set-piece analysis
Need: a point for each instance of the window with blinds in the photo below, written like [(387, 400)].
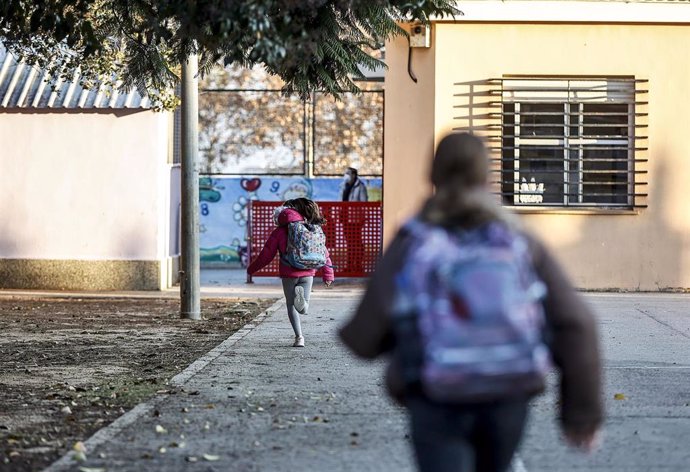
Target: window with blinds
[(571, 142)]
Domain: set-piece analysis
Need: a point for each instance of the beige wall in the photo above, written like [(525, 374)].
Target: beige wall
[(644, 250), (85, 186), (409, 137)]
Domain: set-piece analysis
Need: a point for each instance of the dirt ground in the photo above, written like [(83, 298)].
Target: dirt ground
[(69, 367)]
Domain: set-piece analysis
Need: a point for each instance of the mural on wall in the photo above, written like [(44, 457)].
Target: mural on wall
[(224, 206)]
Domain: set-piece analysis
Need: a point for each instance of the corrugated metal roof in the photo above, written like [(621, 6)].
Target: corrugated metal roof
[(25, 86)]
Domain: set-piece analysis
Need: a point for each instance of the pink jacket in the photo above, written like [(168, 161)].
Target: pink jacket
[(277, 242)]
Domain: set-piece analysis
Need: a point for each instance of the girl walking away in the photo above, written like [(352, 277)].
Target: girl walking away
[(473, 310), (301, 244)]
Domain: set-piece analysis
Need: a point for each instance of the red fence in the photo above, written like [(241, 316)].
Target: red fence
[(353, 235)]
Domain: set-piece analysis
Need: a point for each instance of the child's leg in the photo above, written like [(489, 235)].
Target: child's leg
[(478, 437), (306, 283), (289, 285), (497, 434), (439, 437)]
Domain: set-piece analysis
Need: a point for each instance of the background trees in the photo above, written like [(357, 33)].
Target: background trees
[(310, 44), (247, 127)]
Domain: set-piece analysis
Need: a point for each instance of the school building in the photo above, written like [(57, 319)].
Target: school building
[(584, 105), (89, 188)]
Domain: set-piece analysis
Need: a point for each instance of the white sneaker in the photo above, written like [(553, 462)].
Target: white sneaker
[(300, 303), (299, 341)]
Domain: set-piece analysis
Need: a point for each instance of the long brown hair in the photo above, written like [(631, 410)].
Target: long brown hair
[(308, 209), (460, 173)]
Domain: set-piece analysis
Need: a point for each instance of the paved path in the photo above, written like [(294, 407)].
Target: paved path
[(260, 405), (647, 359)]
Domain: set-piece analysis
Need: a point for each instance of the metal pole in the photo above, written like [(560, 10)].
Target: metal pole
[(250, 238), (190, 306), (309, 135)]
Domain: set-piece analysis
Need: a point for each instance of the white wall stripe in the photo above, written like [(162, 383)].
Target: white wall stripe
[(39, 92), (82, 98), (572, 11), (70, 90), (113, 98), (55, 92), (13, 83), (19, 89), (128, 99), (99, 97), (5, 67), (28, 83)]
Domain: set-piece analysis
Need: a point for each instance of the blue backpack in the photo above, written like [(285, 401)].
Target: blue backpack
[(306, 246), (468, 315)]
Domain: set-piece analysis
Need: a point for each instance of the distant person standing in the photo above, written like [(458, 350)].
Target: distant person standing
[(353, 190)]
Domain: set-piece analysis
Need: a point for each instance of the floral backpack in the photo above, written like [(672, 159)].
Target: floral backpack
[(306, 246), (468, 315)]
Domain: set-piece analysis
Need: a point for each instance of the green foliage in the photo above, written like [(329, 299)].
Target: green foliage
[(310, 44)]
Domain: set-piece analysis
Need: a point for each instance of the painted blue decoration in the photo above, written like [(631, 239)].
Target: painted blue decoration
[(224, 209)]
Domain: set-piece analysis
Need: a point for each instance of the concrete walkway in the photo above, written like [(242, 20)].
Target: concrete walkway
[(646, 339), (257, 404)]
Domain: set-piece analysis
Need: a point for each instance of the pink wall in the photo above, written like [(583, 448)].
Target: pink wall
[(89, 185)]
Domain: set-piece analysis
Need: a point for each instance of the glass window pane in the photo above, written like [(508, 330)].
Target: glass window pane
[(571, 149), (605, 178), (243, 132), (349, 133), (541, 174), (574, 118), (605, 119), (508, 154), (541, 119), (574, 183)]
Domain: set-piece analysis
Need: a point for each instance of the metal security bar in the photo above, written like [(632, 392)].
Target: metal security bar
[(564, 142)]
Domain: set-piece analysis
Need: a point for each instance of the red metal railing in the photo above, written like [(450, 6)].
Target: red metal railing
[(354, 233)]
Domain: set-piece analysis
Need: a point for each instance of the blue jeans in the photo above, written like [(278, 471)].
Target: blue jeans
[(466, 438)]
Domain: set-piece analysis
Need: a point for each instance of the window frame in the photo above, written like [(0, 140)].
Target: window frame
[(573, 95)]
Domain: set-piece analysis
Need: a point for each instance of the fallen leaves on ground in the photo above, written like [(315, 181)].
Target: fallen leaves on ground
[(79, 451)]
